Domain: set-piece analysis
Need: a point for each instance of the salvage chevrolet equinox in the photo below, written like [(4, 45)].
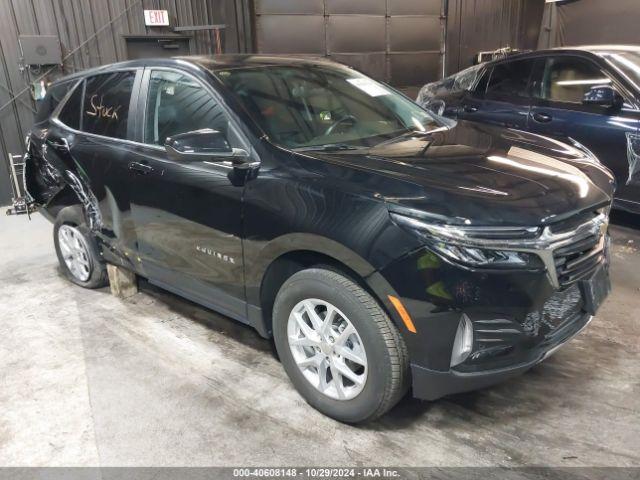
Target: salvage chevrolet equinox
[(381, 247)]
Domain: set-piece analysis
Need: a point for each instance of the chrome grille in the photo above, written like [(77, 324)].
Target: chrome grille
[(580, 261), (579, 257), (574, 248)]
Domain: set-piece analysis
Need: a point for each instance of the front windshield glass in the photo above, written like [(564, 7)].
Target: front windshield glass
[(307, 106), (627, 62)]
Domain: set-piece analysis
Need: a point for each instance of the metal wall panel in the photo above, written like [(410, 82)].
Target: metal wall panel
[(594, 22), (291, 34), (367, 34), (414, 68), (372, 64), (77, 21), (362, 7), (480, 25), (356, 33), (408, 33), (415, 7), (289, 7)]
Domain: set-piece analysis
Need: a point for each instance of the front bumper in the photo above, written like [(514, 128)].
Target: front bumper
[(432, 384), (518, 318)]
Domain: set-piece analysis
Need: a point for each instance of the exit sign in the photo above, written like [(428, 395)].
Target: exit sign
[(156, 18)]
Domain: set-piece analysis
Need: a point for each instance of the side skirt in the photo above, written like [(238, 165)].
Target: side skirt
[(214, 300)]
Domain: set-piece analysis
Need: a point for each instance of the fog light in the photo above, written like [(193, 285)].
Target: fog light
[(463, 343)]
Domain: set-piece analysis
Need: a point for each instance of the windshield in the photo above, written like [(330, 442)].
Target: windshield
[(626, 62), (323, 105)]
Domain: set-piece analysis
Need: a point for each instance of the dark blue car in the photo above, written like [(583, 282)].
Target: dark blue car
[(589, 94)]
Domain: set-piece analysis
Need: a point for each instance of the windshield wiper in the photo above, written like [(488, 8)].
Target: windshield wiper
[(329, 147)]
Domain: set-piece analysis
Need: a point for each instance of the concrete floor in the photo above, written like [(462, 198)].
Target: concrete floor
[(87, 379)]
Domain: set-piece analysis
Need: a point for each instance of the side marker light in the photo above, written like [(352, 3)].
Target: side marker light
[(404, 315)]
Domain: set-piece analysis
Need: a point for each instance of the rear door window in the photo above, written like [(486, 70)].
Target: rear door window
[(53, 98), (510, 79), (105, 110), (70, 113)]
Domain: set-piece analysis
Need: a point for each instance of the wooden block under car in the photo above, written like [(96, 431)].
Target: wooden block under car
[(123, 283)]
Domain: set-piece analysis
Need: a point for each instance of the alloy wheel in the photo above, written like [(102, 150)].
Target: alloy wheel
[(327, 349), (75, 252)]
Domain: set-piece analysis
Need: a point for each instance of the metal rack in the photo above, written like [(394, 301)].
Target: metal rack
[(20, 203)]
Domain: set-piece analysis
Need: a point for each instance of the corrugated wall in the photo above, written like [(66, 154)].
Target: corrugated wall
[(481, 25), (591, 22), (76, 21), (397, 41)]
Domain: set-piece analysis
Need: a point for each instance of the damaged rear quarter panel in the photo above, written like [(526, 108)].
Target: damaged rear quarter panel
[(52, 174)]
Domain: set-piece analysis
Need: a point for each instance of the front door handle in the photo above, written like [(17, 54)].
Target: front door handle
[(140, 168), (470, 109), (542, 117)]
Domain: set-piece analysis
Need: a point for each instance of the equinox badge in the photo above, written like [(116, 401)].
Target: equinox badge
[(213, 253)]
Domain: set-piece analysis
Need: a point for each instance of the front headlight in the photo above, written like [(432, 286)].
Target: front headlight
[(481, 247), (477, 257)]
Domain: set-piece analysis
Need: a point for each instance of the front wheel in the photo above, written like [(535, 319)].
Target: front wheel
[(338, 346)]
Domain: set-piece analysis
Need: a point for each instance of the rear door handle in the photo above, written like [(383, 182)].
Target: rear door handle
[(140, 168), (470, 109), (542, 117)]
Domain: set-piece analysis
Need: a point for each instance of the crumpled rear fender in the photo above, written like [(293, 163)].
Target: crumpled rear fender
[(53, 179)]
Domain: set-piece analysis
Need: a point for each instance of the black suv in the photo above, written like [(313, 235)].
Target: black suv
[(380, 247)]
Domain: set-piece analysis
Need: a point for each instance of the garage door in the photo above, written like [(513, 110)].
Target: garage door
[(397, 41)]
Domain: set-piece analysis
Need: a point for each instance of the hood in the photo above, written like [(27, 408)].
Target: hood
[(480, 175)]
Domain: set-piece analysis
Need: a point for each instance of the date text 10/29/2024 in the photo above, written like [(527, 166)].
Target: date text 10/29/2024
[(337, 473)]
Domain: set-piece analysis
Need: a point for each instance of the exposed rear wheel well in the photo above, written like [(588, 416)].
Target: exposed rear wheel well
[(286, 265), (65, 198)]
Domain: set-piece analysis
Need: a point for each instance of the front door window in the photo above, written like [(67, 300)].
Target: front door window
[(178, 104), (568, 79)]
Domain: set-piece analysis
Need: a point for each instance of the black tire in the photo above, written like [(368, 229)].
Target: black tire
[(387, 358), (73, 216)]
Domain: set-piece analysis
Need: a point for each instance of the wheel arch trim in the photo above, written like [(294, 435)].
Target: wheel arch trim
[(304, 242), (293, 242)]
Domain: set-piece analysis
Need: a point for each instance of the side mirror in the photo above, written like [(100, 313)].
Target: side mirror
[(604, 96), (200, 145)]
